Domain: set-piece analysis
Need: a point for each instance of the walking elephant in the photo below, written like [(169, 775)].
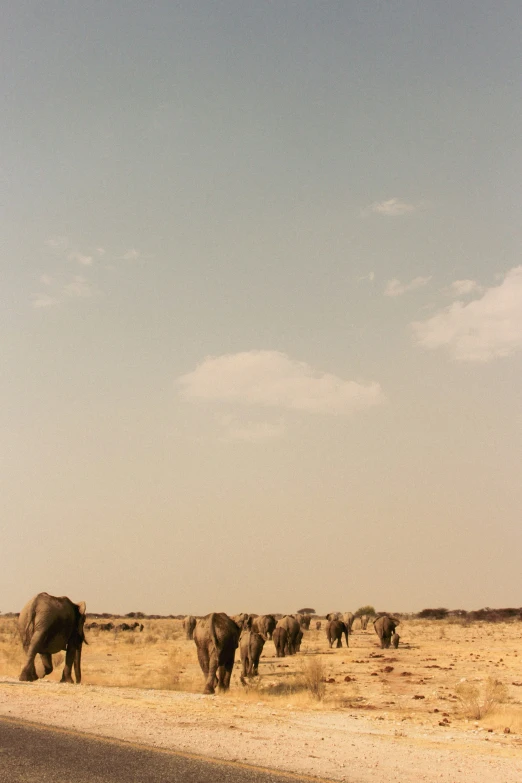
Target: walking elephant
[(384, 628), (280, 638), (348, 618), (189, 624), (290, 624), (48, 624), (334, 632), (251, 646), (364, 621), (265, 625), (241, 619), (216, 637)]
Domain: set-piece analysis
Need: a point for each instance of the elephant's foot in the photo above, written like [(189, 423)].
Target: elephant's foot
[(26, 677), (68, 680), (209, 690)]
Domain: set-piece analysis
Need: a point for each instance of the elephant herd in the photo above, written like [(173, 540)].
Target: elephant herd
[(48, 624)]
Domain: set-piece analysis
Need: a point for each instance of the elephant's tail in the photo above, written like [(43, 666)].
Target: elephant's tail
[(212, 630)]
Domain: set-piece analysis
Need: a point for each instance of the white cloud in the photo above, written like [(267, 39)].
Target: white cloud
[(43, 300), (396, 288), (271, 379), (481, 330), (131, 255), (393, 207), (57, 243), (464, 287), (80, 259), (251, 431), (78, 287)]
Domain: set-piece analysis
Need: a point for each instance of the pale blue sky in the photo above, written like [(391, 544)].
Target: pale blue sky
[(261, 333)]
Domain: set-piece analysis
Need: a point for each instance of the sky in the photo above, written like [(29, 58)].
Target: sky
[(261, 287)]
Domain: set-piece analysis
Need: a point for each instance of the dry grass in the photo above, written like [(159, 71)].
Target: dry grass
[(311, 674), (474, 702), (418, 683)]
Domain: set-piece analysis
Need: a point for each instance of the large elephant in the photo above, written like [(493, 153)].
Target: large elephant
[(216, 637), (334, 632), (265, 625), (385, 626), (251, 646), (280, 638), (292, 628), (189, 623), (348, 618), (48, 624)]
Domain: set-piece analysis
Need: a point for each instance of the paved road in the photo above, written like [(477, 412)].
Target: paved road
[(40, 754)]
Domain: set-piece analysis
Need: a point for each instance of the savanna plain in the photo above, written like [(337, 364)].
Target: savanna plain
[(445, 706)]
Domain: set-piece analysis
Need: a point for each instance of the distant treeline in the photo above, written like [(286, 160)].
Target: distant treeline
[(487, 615)]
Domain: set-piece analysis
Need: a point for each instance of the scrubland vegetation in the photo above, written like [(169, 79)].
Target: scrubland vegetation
[(446, 672)]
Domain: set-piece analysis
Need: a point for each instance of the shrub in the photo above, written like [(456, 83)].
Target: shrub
[(474, 704), (433, 614), (306, 611), (365, 610), (311, 677)]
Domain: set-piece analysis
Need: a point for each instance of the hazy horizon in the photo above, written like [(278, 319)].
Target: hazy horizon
[(262, 305)]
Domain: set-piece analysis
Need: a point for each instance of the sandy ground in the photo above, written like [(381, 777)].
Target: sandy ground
[(345, 747), (375, 722)]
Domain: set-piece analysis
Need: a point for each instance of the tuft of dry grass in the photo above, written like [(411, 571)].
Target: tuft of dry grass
[(476, 703), (311, 674)]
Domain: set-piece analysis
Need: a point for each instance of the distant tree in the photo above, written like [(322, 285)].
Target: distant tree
[(433, 614), (369, 610), (306, 611)]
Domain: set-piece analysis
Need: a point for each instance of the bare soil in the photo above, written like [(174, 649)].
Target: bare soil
[(399, 715)]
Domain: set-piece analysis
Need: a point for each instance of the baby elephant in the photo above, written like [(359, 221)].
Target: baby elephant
[(395, 640), (280, 638), (250, 647)]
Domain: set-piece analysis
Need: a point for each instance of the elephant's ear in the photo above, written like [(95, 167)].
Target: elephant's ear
[(82, 607)]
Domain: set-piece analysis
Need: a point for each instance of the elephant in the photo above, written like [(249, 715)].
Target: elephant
[(348, 618), (395, 640), (334, 632), (334, 616), (48, 624), (265, 625), (280, 638), (318, 625), (304, 621), (216, 637), (364, 621), (240, 619), (290, 624), (251, 646), (189, 623), (385, 626)]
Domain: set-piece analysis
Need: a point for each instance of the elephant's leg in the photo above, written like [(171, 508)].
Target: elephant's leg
[(78, 665), (210, 685), (47, 661), (226, 674), (339, 642), (28, 673), (69, 660), (203, 659)]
